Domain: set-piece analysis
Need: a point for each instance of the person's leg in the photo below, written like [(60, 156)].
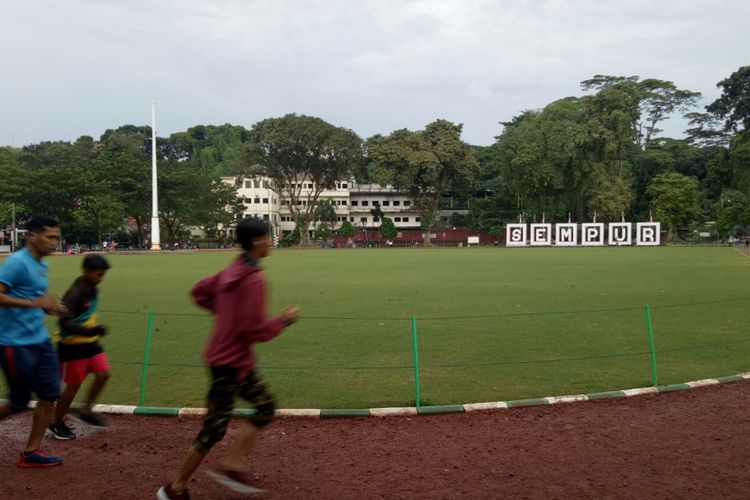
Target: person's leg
[(45, 382), (63, 405), (5, 411), (220, 403), (100, 380), (235, 457), (192, 460), (253, 390), (19, 394), (43, 414), (99, 366)]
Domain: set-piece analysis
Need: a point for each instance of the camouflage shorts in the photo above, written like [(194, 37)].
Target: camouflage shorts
[(225, 387)]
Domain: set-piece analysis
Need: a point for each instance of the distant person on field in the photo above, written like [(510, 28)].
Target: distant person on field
[(26, 353), (237, 298), (78, 346)]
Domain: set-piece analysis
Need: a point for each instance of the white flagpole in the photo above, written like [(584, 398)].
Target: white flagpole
[(155, 233)]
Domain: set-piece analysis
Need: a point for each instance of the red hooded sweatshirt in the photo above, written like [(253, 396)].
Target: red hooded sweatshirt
[(237, 298)]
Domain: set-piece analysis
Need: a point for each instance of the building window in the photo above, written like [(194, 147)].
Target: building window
[(376, 219), (386, 203), (343, 185), (418, 219), (256, 200), (365, 203), (363, 219), (405, 219), (299, 202), (343, 202), (248, 183), (396, 203), (355, 203), (265, 216), (248, 200), (407, 203), (397, 219), (274, 201), (266, 184), (256, 183), (265, 200), (310, 186)]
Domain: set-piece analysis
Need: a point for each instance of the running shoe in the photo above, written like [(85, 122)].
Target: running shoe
[(167, 493), (89, 418), (38, 458), (234, 480), (61, 431)]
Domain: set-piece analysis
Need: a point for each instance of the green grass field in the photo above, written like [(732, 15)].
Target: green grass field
[(493, 324)]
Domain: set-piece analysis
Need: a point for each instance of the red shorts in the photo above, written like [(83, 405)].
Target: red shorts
[(74, 372)]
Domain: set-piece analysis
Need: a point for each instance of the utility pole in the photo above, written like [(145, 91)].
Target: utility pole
[(155, 233)]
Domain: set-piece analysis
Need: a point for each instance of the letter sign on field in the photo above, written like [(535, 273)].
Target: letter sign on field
[(566, 235), (541, 235), (648, 233), (515, 235), (592, 234)]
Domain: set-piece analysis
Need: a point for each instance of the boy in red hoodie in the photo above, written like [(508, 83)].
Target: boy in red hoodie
[(237, 298)]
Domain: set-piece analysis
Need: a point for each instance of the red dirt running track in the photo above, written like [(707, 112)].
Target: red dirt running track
[(688, 444)]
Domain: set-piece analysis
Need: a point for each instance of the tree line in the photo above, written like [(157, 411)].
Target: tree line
[(599, 155)]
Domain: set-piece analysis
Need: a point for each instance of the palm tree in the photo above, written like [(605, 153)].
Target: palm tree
[(376, 212), (325, 212)]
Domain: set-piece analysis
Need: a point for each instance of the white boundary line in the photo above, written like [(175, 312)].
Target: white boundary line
[(413, 411)]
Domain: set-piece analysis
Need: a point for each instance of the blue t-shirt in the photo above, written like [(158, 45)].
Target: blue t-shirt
[(24, 277)]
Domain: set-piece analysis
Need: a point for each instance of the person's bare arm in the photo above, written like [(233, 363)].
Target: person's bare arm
[(50, 303)]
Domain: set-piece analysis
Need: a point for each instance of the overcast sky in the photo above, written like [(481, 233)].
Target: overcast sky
[(78, 67)]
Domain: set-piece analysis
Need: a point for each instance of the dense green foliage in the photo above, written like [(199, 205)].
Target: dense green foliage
[(297, 152), (425, 164), (598, 155), (93, 187), (579, 157), (388, 228)]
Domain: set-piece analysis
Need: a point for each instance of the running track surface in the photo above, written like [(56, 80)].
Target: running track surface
[(688, 444)]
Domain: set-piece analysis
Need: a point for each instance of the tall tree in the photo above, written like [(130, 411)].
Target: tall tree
[(346, 229), (325, 212), (388, 228), (124, 159), (213, 148), (611, 113), (733, 105), (675, 200), (656, 101), (192, 197), (544, 160), (425, 164), (303, 156)]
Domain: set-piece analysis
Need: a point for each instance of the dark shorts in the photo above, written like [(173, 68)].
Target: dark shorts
[(225, 386), (30, 369)]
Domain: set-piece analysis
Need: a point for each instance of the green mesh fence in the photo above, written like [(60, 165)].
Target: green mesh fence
[(359, 362)]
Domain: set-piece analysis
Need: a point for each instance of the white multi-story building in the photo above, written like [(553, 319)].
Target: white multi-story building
[(352, 202)]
